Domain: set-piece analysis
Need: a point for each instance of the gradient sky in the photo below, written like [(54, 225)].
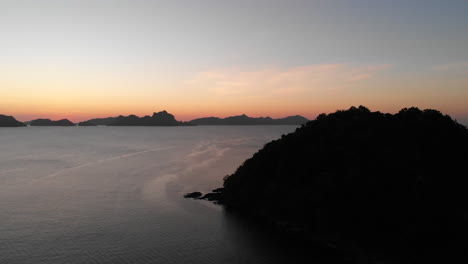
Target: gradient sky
[(95, 58)]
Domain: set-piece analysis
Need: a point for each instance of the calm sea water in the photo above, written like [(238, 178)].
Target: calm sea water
[(114, 195)]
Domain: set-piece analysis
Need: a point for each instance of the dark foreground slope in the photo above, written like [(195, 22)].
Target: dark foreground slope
[(48, 122), (246, 120), (395, 185), (9, 121)]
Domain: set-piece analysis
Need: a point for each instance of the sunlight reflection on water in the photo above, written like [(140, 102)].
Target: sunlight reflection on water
[(114, 195)]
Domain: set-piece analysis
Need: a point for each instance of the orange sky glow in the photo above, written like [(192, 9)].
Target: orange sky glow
[(87, 59), (273, 91)]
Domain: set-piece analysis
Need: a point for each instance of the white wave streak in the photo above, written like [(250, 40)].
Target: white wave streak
[(11, 170), (105, 160)]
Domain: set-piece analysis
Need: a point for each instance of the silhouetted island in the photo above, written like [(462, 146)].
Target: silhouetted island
[(391, 187), (102, 121), (9, 121), (86, 123), (162, 118), (48, 122), (246, 120)]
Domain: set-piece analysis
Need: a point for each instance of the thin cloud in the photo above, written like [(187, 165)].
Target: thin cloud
[(286, 82), (452, 67)]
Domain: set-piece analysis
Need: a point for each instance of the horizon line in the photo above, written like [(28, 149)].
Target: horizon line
[(182, 120)]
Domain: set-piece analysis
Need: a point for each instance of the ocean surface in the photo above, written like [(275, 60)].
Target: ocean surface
[(115, 195)]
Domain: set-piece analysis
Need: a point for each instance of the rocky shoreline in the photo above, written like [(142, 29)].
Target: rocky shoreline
[(215, 196)]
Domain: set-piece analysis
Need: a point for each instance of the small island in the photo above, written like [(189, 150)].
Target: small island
[(48, 122), (9, 121), (390, 187)]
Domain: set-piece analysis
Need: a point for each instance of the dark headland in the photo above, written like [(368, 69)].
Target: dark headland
[(384, 187), (48, 122), (246, 120), (9, 121)]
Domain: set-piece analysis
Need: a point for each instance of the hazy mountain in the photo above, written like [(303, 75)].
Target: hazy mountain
[(102, 121), (48, 122), (162, 118), (246, 120), (86, 123), (9, 121)]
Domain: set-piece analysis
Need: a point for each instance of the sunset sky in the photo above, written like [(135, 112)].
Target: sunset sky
[(98, 58)]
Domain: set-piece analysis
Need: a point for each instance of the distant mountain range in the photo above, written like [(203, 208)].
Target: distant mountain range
[(246, 120), (9, 121), (48, 122), (162, 118)]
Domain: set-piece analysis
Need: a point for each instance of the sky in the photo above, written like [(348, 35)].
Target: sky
[(97, 58)]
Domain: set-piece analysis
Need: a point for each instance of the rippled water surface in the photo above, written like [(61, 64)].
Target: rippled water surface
[(114, 195)]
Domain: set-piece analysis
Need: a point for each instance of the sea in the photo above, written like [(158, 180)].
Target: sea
[(115, 195)]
